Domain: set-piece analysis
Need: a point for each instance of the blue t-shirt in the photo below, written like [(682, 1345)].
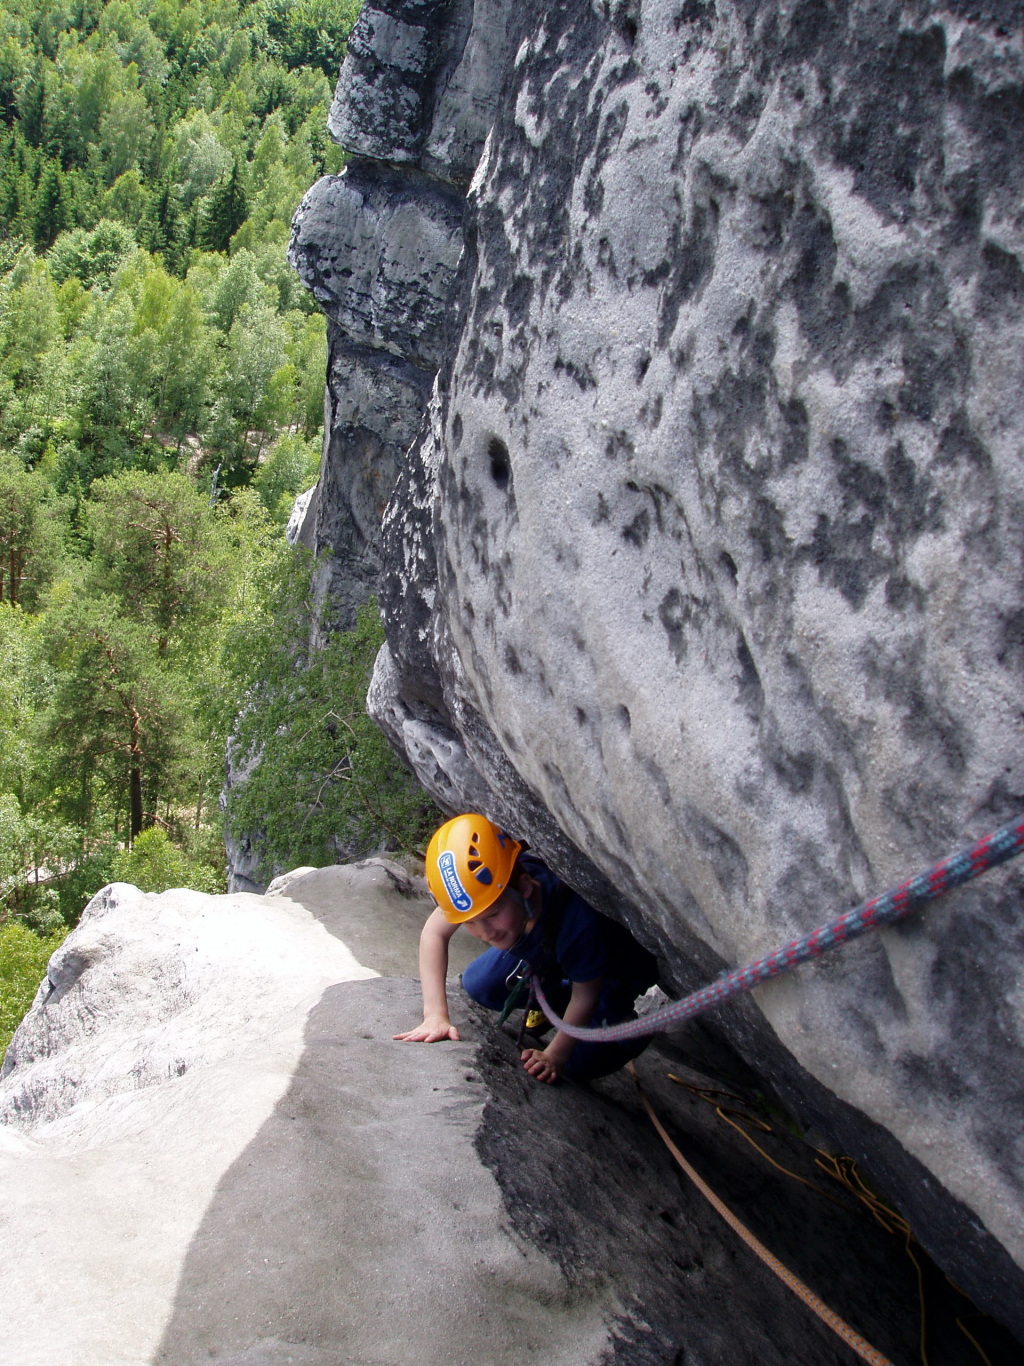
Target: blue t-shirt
[(582, 943)]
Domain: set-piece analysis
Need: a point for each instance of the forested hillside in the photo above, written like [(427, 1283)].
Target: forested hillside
[(161, 392)]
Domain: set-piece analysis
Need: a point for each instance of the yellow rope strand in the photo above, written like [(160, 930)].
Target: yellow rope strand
[(724, 1112), (974, 1342)]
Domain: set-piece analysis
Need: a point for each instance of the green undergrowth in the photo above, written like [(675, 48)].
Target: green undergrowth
[(154, 864), (23, 959)]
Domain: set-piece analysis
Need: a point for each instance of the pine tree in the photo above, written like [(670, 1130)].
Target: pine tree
[(52, 211), (32, 105), (226, 211)]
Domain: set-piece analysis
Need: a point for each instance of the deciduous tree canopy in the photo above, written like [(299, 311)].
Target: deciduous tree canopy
[(161, 397)]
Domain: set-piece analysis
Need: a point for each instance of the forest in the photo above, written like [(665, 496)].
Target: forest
[(161, 402)]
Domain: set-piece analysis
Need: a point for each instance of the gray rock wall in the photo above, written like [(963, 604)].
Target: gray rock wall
[(705, 573), (378, 247)]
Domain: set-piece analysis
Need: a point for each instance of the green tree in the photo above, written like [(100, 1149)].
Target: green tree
[(93, 256), (117, 723), (225, 211), (290, 467), (23, 960), (12, 63), (31, 324), (28, 537), (16, 702), (323, 781), (163, 230), (158, 550), (52, 211), (125, 130), (153, 864)]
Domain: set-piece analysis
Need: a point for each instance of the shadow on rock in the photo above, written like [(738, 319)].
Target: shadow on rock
[(433, 1205)]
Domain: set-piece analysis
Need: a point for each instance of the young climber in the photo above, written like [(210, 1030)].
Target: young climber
[(591, 969)]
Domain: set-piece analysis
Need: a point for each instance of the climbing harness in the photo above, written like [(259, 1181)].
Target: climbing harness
[(1002, 845), (839, 1326)]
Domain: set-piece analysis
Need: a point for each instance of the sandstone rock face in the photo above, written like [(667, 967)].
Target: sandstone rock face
[(378, 246), (706, 571)]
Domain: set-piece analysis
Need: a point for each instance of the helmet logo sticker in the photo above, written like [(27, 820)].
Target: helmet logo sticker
[(458, 895)]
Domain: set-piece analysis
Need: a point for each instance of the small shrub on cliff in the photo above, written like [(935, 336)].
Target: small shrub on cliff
[(154, 864), (23, 960), (322, 782)]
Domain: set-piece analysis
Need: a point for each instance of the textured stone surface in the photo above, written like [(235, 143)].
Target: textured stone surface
[(378, 247), (378, 250), (211, 1149), (707, 566)]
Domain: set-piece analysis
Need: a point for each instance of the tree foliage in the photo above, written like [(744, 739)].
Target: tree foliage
[(161, 398), (323, 782)]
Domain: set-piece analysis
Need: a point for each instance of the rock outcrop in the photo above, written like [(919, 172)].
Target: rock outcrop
[(378, 246), (212, 1150), (705, 573)]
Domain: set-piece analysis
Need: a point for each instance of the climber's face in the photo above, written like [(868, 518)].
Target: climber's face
[(502, 924)]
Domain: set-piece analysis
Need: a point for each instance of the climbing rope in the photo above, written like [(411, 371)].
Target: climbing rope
[(839, 1326), (886, 909)]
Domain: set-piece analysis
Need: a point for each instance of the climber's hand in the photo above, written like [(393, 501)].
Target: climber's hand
[(541, 1065), (434, 1029)]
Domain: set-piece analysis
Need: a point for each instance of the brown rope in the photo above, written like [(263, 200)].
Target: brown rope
[(839, 1326)]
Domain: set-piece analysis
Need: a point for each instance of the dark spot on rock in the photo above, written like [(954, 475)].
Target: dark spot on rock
[(457, 430), (1011, 650), (512, 661), (729, 565), (795, 440), (678, 612), (642, 366), (794, 771), (603, 511), (899, 591), (517, 300), (723, 852), (606, 256), (501, 468), (581, 375), (1001, 282), (698, 12), (638, 530), (619, 443), (751, 693), (767, 530), (691, 260), (581, 716), (624, 719)]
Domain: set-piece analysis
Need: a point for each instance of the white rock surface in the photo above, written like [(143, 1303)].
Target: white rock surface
[(166, 1032), (154, 1063)]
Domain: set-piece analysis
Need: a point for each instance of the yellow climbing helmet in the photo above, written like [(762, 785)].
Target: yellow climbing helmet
[(469, 862)]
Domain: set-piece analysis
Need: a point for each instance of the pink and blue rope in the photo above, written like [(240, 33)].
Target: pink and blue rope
[(891, 906)]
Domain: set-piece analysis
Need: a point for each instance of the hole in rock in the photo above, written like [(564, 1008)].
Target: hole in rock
[(501, 468)]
